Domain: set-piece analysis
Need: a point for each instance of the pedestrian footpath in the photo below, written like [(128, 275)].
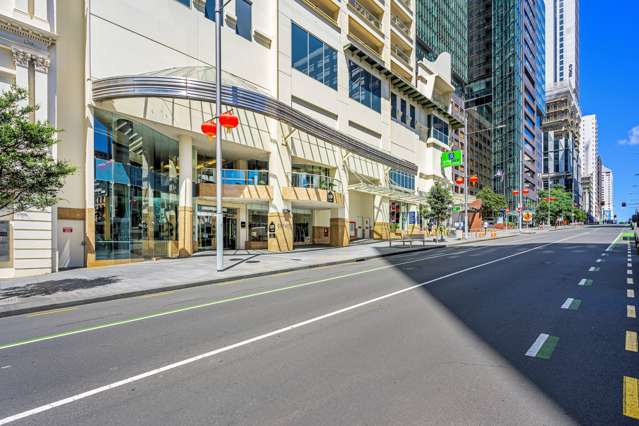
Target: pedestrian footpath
[(80, 286)]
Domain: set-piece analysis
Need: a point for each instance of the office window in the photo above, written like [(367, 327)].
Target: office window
[(364, 87), (394, 106), (439, 129), (243, 12), (313, 57)]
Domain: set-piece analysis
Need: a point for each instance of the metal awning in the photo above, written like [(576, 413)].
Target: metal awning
[(194, 83), (400, 83), (388, 192)]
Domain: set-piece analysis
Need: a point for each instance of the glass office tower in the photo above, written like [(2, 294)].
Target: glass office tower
[(518, 96), (442, 27)]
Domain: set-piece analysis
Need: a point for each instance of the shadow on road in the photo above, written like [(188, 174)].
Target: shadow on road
[(46, 288)]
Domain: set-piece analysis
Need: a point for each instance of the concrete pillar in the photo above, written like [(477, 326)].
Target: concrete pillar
[(339, 231), (280, 217), (381, 213), (185, 204)]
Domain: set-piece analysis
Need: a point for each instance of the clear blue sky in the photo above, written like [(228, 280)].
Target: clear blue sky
[(610, 88)]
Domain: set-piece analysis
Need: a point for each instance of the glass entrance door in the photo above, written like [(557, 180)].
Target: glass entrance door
[(206, 228)]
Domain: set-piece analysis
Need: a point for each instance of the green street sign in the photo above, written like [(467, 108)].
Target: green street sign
[(451, 158), (456, 209)]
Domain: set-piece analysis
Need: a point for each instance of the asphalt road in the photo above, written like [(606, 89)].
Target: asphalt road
[(474, 334)]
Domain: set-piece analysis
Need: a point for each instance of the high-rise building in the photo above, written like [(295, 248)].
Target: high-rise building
[(562, 43), (442, 27), (590, 168), (518, 100), (608, 210), (561, 121)]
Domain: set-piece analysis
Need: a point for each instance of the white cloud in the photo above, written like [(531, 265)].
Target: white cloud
[(632, 138)]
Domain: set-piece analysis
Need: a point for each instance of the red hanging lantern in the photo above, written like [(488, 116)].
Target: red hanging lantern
[(229, 121), (525, 191), (459, 180), (515, 192), (473, 179), (209, 128)]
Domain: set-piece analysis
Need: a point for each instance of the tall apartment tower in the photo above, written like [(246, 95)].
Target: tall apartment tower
[(589, 159), (518, 96), (608, 211), (561, 122)]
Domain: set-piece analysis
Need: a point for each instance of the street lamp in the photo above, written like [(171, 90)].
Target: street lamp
[(213, 129)]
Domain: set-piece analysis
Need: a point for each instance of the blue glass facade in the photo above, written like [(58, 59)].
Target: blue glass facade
[(313, 57), (364, 87)]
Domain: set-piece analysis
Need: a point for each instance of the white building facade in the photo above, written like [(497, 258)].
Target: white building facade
[(27, 59), (589, 154), (607, 190), (562, 43), (340, 133)]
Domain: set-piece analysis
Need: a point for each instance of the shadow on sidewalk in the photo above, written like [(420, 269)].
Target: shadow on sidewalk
[(47, 288)]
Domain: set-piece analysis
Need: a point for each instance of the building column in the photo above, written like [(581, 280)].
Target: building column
[(381, 212), (339, 231), (185, 205), (280, 217)]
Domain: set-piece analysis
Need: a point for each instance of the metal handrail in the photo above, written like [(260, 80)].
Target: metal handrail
[(309, 180), (400, 54), (235, 176), (401, 26), (407, 5), (366, 14)]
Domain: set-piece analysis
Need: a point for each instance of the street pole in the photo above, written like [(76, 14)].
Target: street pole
[(521, 185), (219, 217), (465, 173)]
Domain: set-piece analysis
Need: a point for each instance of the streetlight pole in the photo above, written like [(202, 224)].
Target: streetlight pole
[(219, 216), (521, 185), (465, 173)]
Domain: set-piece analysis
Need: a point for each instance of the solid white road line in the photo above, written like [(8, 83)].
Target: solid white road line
[(255, 339), (534, 349)]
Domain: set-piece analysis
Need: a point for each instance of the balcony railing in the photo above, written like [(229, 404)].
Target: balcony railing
[(235, 177), (308, 180), (401, 26), (401, 55), (366, 14), (407, 4)]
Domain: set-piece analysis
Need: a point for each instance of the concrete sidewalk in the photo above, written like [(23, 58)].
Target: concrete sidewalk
[(81, 286)]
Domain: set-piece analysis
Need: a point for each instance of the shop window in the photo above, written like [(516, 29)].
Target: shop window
[(135, 189), (257, 223)]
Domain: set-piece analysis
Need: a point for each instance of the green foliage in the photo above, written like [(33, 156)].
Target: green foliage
[(29, 176), (580, 215), (440, 200), (491, 202), (560, 209)]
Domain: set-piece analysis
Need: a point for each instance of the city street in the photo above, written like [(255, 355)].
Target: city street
[(524, 330)]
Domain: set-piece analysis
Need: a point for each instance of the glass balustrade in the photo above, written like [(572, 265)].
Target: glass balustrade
[(235, 176), (308, 180)]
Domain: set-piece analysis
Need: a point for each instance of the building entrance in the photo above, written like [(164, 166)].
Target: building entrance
[(206, 228)]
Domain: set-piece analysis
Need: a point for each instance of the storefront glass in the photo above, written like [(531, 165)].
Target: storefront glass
[(205, 227), (135, 189), (257, 222)]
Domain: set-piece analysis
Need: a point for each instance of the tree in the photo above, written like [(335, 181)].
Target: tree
[(29, 176), (561, 206), (490, 202), (439, 200)]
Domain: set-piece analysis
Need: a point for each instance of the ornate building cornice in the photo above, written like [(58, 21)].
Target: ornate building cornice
[(22, 57), (21, 29)]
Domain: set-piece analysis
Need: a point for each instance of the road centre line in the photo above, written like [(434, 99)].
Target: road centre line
[(630, 294), (631, 341), (543, 346), (221, 301), (629, 281), (264, 336)]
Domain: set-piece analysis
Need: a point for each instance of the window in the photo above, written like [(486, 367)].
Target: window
[(313, 57), (439, 129), (364, 87), (185, 2), (402, 110), (209, 10), (394, 106), (5, 244), (412, 116), (243, 13), (402, 179)]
